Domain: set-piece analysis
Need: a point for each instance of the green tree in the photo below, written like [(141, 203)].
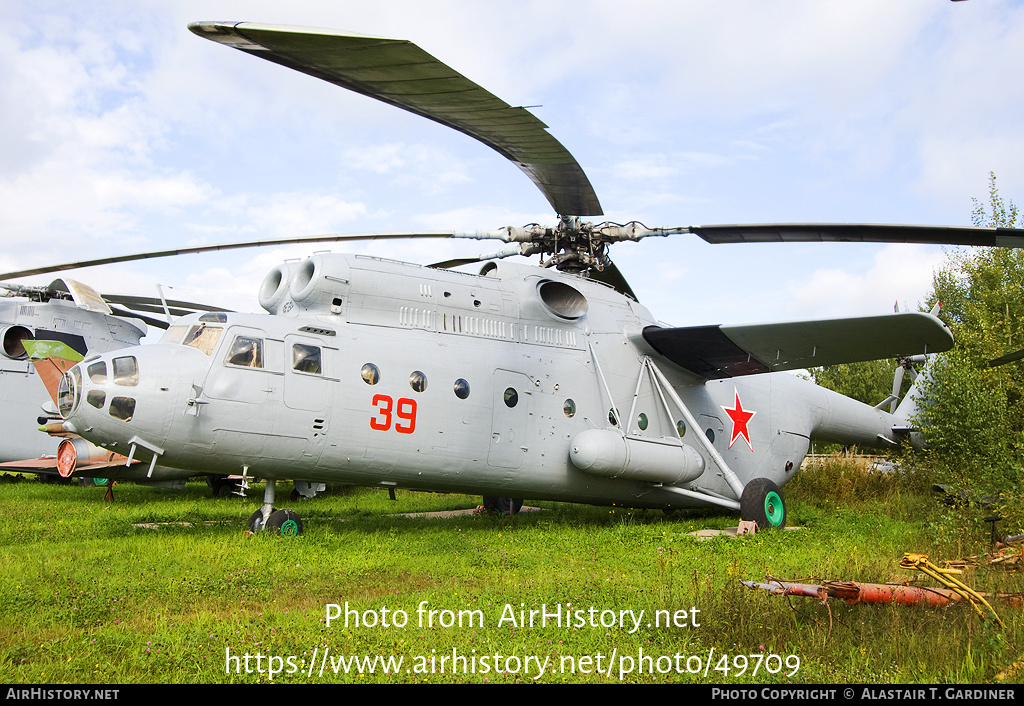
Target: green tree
[(974, 418), (869, 382), (999, 214)]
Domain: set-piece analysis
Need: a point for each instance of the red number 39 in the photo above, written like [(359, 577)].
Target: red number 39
[(404, 410)]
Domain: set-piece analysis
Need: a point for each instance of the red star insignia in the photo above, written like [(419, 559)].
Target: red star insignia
[(740, 418)]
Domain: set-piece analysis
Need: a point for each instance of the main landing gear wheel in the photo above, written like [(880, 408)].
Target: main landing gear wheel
[(504, 506), (285, 523), (222, 486), (280, 522), (761, 502)]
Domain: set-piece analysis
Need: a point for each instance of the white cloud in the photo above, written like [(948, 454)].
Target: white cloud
[(900, 275), (302, 214), (121, 130)]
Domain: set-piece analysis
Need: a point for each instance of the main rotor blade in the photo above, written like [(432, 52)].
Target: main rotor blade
[(156, 306), (613, 277), (1008, 358), (457, 262), (401, 74), (856, 232), (149, 320), (332, 237)]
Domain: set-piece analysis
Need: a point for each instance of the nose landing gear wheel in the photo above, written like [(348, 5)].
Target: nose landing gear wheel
[(285, 523), (256, 521), (762, 502), (504, 506)]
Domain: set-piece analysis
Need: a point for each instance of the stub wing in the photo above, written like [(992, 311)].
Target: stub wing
[(715, 352), (49, 464)]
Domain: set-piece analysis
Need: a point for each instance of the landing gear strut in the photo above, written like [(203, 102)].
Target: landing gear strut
[(283, 522)]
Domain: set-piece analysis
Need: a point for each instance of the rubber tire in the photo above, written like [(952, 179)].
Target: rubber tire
[(762, 502), (227, 489), (221, 486), (255, 523), (503, 506), (285, 523)]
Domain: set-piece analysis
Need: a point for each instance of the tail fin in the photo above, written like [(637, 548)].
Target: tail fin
[(51, 359), (909, 406)]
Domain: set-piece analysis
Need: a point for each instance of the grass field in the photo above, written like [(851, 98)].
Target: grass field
[(92, 596)]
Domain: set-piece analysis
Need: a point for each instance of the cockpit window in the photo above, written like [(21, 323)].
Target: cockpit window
[(203, 337), (68, 391), (126, 371), (306, 359), (246, 352), (98, 373), (96, 398), (122, 408), (174, 334)]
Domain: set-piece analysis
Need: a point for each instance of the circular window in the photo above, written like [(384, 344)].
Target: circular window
[(641, 422), (681, 428), (711, 435), (370, 374), (461, 389), (511, 397), (417, 381), (612, 419), (569, 408)]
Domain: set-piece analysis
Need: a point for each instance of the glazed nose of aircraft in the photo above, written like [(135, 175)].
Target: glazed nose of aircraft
[(93, 381), (127, 399)]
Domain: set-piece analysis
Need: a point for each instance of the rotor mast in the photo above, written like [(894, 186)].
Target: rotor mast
[(574, 246)]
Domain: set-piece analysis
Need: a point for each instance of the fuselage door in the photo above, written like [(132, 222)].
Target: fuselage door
[(510, 419), (242, 372)]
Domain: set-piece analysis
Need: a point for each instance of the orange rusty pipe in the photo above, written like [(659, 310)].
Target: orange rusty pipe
[(853, 592)]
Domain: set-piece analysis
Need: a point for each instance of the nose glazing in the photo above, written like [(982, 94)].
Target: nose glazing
[(69, 391)]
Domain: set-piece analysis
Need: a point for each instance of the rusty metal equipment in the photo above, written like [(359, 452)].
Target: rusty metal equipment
[(854, 592)]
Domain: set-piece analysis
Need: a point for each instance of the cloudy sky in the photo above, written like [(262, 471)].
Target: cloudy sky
[(121, 131)]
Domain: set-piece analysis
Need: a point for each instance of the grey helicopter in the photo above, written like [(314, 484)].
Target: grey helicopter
[(513, 381), (62, 322)]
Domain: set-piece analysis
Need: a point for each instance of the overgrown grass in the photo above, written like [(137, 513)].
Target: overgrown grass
[(90, 596)]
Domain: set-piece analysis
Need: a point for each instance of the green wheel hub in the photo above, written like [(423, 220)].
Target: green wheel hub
[(773, 509), (761, 501)]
